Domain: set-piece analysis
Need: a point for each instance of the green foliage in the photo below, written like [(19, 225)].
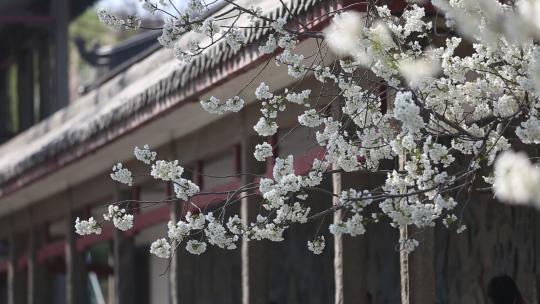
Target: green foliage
[(13, 99), (88, 27)]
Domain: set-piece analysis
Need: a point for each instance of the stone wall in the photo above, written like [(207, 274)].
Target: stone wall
[(499, 240)]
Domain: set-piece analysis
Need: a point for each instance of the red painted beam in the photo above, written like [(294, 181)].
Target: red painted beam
[(199, 168), (26, 19), (157, 216), (383, 96), (238, 158), (137, 196), (88, 240), (51, 250), (205, 201), (150, 218), (272, 141), (303, 164), (161, 215), (100, 270), (22, 262), (397, 7), (46, 252)]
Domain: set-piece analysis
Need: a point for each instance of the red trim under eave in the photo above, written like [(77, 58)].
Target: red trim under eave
[(74, 154)]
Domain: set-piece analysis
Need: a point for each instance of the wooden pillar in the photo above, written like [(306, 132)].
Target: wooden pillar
[(16, 287), (46, 108), (124, 258), (60, 12), (537, 255), (417, 269), (404, 268), (355, 249), (355, 270), (38, 284), (174, 267), (174, 216), (123, 268), (338, 240), (421, 267), (254, 260), (25, 88), (76, 275), (186, 267)]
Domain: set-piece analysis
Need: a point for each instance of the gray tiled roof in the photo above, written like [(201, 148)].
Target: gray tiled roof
[(182, 81)]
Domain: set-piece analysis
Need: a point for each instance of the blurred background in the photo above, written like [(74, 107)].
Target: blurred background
[(76, 97)]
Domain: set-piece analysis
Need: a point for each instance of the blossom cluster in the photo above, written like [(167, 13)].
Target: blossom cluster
[(263, 151), (86, 227), (317, 245), (118, 23), (180, 21), (121, 174), (393, 94), (119, 217), (161, 248), (215, 106), (408, 245), (516, 179), (160, 169), (353, 226), (144, 154)]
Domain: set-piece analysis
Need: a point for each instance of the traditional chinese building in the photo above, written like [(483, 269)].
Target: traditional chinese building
[(55, 165)]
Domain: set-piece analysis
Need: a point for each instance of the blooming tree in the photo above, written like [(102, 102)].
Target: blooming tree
[(457, 109)]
